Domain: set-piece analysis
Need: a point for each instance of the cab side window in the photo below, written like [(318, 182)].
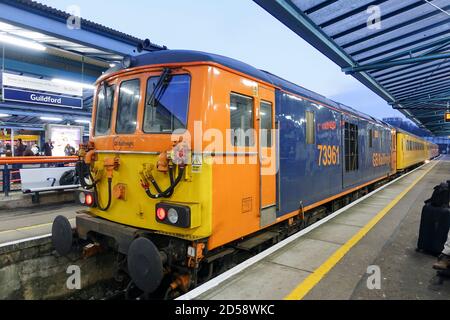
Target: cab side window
[(105, 101), (241, 120), (265, 115), (129, 97)]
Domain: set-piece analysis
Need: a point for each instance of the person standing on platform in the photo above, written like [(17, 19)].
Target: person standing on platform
[(20, 149), (8, 152), (48, 148), (28, 152), (69, 150)]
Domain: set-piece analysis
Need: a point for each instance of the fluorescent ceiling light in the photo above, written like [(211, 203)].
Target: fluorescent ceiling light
[(4, 115), (74, 83), (83, 121), (21, 43), (51, 119)]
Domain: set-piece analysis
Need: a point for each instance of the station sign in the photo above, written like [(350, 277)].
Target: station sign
[(33, 97), (19, 88), (447, 117), (35, 84)]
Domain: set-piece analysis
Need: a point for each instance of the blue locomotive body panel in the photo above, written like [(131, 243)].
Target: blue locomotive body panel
[(308, 174)]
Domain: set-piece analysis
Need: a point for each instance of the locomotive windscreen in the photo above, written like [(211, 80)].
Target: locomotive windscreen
[(168, 110)]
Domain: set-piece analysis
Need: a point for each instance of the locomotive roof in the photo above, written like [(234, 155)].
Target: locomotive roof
[(183, 56)]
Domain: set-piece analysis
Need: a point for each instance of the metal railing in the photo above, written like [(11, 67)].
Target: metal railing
[(10, 166)]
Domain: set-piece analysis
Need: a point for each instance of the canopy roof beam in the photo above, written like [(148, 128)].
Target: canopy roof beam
[(394, 63)]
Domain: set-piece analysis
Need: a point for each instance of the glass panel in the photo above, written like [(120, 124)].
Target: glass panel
[(310, 128), (266, 124), (104, 110), (169, 109), (129, 96), (241, 120)]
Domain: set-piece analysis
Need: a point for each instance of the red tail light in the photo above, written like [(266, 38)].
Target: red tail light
[(161, 214), (89, 199)]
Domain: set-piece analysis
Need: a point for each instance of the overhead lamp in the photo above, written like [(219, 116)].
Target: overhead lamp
[(51, 119), (74, 84), (447, 117), (21, 42)]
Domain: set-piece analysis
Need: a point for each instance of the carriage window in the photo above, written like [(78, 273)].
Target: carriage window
[(351, 147), (104, 110), (370, 138), (169, 109), (129, 96), (310, 128), (241, 124), (266, 124)]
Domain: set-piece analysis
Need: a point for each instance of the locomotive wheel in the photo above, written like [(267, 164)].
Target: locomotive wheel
[(145, 265), (62, 235)]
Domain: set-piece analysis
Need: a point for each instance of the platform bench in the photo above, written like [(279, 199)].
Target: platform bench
[(35, 181)]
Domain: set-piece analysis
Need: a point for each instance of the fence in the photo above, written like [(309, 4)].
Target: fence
[(10, 178)]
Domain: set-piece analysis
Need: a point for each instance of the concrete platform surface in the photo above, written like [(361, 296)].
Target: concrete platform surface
[(388, 244), (32, 222)]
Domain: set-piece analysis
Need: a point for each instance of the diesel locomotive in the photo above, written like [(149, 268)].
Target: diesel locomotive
[(195, 156)]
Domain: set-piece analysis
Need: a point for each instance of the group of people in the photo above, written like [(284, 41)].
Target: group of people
[(23, 150)]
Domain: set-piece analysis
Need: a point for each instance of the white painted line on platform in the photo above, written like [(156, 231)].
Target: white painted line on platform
[(239, 268), (12, 243)]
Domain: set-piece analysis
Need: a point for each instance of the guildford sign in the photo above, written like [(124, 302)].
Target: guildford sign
[(43, 92)]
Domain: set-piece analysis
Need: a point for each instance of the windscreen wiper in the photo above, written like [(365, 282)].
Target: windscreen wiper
[(162, 82), (105, 92)]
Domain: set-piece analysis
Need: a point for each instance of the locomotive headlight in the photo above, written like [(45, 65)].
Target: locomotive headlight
[(172, 215), (82, 198)]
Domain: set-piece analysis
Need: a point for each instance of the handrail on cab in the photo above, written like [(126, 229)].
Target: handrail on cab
[(36, 160)]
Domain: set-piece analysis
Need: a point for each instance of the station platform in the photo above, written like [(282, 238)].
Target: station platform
[(331, 259), (27, 223)]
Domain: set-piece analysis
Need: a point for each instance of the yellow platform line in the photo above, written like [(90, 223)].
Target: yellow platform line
[(313, 279), (31, 227)]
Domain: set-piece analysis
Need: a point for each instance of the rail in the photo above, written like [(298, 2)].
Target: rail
[(10, 167)]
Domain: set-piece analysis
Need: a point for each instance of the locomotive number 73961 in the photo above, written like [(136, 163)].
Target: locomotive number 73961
[(329, 155)]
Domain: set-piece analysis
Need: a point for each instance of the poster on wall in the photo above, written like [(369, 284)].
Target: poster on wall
[(61, 136)]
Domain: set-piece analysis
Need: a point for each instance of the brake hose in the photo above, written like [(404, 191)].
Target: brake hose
[(109, 196), (83, 175), (169, 192)]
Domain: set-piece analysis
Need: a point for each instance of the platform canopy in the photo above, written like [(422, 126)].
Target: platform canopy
[(398, 49), (76, 50)]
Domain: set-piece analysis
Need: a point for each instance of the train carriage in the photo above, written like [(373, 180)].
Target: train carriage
[(191, 153)]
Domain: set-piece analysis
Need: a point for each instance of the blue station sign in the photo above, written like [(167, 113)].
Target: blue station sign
[(28, 96)]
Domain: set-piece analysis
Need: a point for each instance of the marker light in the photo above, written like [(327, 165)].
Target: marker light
[(89, 199), (21, 42), (82, 198), (161, 214), (173, 216)]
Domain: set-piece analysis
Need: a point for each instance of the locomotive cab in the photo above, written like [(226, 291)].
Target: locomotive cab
[(155, 187)]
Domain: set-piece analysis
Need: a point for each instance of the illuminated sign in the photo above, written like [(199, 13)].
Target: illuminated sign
[(33, 97)]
